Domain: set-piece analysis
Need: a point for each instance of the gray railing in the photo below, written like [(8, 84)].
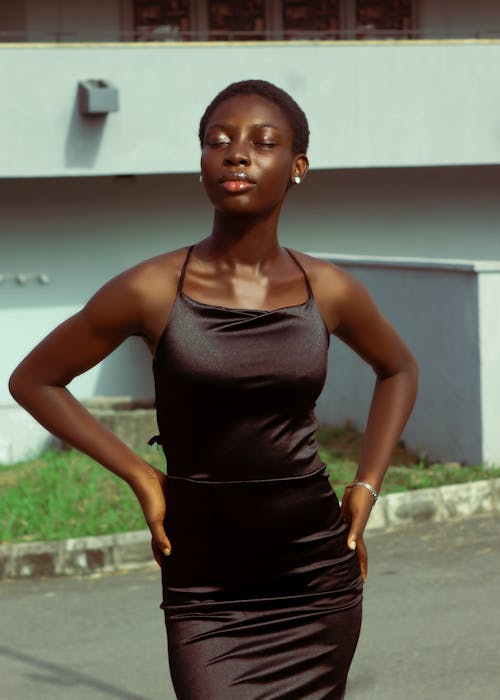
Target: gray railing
[(169, 33)]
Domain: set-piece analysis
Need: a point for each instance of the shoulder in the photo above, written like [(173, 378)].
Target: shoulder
[(337, 292), (321, 272), (160, 270), (327, 280), (139, 295), (151, 277), (352, 315)]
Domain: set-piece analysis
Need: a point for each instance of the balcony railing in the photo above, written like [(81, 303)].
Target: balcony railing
[(169, 33)]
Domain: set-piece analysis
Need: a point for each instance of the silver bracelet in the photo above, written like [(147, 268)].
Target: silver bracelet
[(367, 486)]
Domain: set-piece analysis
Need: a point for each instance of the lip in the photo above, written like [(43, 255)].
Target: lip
[(236, 182), (236, 176), (237, 186)]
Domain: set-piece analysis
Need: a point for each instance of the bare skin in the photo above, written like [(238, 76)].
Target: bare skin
[(240, 264)]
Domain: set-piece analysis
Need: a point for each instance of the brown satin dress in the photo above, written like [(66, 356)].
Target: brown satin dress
[(262, 597)]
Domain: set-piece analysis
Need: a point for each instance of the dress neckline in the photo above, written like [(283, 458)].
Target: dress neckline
[(242, 310), (255, 312)]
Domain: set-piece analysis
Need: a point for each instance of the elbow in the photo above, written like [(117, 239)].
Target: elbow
[(407, 368), (16, 386), (20, 387), (410, 372)]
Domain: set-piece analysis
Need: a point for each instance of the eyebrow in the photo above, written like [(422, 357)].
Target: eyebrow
[(258, 125)]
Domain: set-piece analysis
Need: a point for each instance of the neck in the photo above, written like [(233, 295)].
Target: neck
[(244, 240)]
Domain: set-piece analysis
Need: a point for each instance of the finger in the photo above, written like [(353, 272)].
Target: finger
[(357, 544), (158, 554), (352, 539), (362, 559), (160, 539)]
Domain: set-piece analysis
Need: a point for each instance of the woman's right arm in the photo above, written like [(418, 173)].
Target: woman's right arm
[(120, 309)]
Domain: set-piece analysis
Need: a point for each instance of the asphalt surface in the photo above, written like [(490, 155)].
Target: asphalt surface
[(431, 629)]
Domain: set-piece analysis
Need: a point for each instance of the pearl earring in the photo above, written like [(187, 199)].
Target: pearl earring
[(201, 178), (297, 180)]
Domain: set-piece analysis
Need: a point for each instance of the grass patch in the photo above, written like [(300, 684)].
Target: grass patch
[(340, 449), (66, 494)]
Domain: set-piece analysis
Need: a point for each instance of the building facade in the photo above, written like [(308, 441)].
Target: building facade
[(201, 20), (403, 190)]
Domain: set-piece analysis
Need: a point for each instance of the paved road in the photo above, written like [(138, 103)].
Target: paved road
[(431, 629)]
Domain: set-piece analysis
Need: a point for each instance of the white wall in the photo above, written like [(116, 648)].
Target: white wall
[(383, 104), (21, 437), (456, 341), (424, 212), (82, 231), (57, 225), (489, 302)]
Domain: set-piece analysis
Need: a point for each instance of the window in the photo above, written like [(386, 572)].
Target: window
[(161, 19), (302, 18), (383, 17), (236, 19), (227, 20)]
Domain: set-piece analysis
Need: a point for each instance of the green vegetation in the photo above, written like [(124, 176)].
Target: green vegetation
[(340, 449), (65, 494)]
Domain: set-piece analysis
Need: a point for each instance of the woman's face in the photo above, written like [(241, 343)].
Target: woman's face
[(247, 159)]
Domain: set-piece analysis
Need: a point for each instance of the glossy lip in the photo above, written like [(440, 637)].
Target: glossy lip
[(236, 176)]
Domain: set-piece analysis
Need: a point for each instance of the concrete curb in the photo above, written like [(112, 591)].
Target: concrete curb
[(132, 550), (76, 556), (435, 505)]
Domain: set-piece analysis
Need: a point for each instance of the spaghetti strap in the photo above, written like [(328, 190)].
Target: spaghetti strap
[(294, 258), (183, 270), (308, 284)]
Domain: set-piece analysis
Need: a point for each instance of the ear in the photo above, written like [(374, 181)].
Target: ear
[(300, 166)]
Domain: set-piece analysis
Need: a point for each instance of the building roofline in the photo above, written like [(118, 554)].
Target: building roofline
[(245, 44)]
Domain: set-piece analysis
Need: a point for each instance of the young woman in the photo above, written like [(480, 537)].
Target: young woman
[(262, 572)]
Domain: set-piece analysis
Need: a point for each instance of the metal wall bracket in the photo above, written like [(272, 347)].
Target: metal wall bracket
[(97, 97)]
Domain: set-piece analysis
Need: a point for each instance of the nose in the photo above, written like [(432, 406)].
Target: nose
[(236, 155)]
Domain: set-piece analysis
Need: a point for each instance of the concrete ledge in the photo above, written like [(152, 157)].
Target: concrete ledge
[(133, 421), (412, 263), (132, 550), (76, 556), (437, 505)]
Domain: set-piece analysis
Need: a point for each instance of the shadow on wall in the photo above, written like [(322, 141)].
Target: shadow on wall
[(81, 231), (436, 312), (126, 372), (84, 138)]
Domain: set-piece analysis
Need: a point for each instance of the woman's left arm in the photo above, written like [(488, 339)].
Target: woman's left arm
[(360, 324)]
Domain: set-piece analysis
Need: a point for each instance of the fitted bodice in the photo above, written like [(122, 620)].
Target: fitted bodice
[(236, 389)]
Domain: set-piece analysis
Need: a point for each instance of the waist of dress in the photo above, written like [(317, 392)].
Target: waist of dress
[(268, 480)]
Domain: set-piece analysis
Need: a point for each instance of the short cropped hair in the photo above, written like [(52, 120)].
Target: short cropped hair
[(296, 117)]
